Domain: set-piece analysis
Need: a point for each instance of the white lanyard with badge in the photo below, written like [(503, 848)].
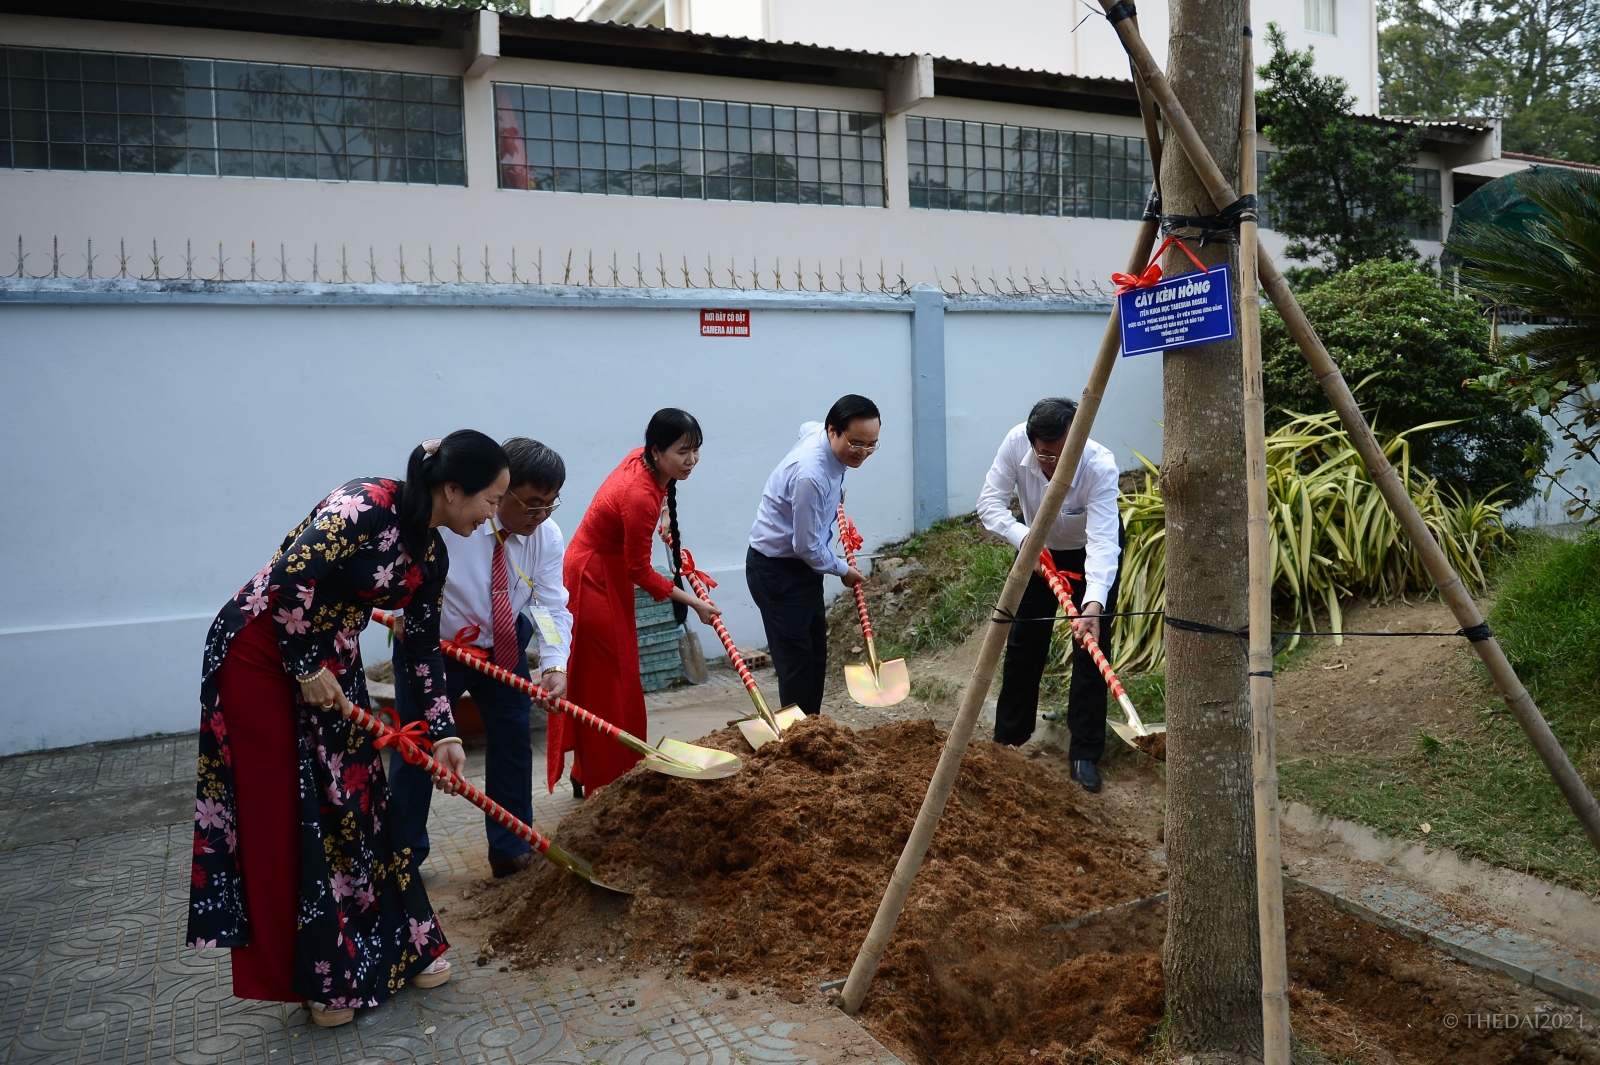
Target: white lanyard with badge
[(543, 620)]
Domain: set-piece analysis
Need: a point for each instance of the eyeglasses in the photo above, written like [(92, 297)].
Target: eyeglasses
[(536, 512), (860, 449)]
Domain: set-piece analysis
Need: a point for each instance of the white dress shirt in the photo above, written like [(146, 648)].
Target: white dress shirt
[(1088, 517), (800, 504), (466, 589)]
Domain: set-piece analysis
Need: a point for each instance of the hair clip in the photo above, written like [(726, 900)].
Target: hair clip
[(432, 446)]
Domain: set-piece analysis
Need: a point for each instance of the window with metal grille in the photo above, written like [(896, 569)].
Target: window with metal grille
[(150, 114), (1322, 17), (1425, 183), (1265, 161), (621, 144), (981, 166)]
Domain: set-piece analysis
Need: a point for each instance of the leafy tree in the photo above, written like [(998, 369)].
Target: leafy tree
[(1535, 64), (1551, 269), (1411, 345), (1341, 190)]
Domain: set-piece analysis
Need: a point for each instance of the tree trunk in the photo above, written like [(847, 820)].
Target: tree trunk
[(1211, 959)]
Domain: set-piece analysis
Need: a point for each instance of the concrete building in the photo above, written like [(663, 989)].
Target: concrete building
[(266, 245)]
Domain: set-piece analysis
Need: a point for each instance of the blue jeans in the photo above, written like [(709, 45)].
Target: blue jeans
[(509, 772)]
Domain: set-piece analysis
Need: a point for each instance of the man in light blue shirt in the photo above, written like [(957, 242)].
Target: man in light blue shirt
[(789, 545)]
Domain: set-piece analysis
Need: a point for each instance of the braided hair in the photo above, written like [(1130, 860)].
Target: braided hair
[(667, 426)]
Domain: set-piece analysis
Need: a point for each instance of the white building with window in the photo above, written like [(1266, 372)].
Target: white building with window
[(262, 246)]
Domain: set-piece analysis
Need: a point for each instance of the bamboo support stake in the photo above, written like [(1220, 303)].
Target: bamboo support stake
[(994, 639), (1451, 588), (1263, 748)]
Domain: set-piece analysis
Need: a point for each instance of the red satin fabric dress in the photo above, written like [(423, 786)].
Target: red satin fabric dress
[(608, 555)]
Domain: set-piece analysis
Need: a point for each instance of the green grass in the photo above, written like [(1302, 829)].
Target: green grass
[(959, 576), (1483, 792)]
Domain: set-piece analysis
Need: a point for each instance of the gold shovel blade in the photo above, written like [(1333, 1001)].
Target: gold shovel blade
[(579, 866), (757, 733), (890, 686), (676, 758), (788, 716)]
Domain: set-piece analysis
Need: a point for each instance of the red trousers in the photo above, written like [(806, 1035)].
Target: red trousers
[(258, 706)]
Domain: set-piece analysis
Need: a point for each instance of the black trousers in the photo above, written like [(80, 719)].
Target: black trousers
[(1027, 650), (509, 763), (789, 595)]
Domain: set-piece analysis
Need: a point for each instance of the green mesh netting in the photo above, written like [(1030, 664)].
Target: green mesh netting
[(1502, 203)]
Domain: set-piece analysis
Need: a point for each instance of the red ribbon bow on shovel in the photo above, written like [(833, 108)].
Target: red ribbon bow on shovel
[(463, 642), (1128, 282), (849, 536), (691, 571), (410, 740)]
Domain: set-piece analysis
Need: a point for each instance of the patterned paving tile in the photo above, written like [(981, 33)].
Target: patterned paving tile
[(93, 969)]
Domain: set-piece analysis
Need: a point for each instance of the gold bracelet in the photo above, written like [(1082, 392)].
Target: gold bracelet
[(444, 740), (309, 677), (553, 669)]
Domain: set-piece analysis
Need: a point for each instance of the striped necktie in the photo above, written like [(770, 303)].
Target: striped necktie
[(505, 623)]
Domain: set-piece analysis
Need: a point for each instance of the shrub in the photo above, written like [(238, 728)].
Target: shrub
[(1333, 537), (1412, 346)]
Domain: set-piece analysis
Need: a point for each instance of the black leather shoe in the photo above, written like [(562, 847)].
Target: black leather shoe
[(1085, 773), (501, 870), (577, 790)]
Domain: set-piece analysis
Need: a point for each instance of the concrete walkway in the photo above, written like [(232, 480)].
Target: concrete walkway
[(94, 869)]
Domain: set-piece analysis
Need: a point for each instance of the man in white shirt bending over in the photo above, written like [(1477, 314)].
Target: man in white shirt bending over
[(1086, 542), (505, 581)]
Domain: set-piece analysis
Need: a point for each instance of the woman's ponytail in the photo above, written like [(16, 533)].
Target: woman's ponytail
[(466, 458)]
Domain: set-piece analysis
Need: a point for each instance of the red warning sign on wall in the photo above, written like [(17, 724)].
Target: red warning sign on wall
[(724, 323)]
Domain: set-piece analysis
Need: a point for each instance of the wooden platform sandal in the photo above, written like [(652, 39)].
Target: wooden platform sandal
[(326, 1018), (434, 975)]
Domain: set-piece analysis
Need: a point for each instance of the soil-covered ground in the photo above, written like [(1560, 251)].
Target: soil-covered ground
[(774, 875), (769, 880)]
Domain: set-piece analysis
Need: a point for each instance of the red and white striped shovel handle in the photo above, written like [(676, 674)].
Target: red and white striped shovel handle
[(702, 584), (409, 745), (463, 654), (1063, 590), (850, 538)]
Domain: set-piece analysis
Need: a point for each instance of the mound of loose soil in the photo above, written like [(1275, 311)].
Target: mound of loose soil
[(774, 875)]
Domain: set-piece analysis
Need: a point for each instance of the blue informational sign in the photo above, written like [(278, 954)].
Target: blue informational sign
[(1189, 309)]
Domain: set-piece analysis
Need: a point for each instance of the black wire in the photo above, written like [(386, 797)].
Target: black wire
[(1475, 633)]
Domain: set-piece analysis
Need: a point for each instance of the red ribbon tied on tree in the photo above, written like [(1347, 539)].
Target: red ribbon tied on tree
[(849, 535), (691, 572), (463, 642), (410, 740), (1128, 282)]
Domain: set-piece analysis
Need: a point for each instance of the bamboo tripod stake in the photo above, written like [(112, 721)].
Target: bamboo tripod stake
[(1263, 748), (994, 639), (1451, 588)]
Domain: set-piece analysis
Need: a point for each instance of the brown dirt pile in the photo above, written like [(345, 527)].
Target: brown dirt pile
[(773, 876)]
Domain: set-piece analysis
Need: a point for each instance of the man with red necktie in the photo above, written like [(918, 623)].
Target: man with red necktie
[(504, 587)]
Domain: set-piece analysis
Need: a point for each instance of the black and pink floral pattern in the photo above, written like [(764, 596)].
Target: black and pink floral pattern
[(366, 925)]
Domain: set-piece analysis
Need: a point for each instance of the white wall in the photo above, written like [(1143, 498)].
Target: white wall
[(998, 365), (161, 453)]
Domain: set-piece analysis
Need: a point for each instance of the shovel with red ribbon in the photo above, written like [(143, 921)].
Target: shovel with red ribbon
[(411, 744), (872, 683), (765, 726), (1135, 728), (672, 757)]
